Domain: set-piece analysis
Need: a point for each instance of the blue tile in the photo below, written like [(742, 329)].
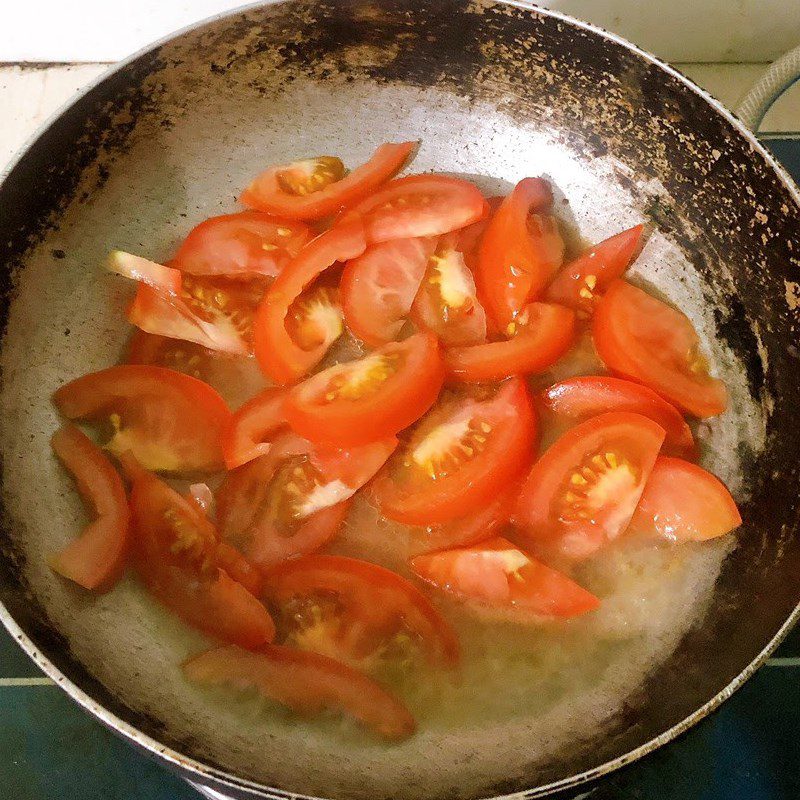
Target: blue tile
[(51, 749), (14, 663)]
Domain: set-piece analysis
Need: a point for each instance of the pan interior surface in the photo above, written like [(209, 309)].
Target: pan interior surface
[(494, 93)]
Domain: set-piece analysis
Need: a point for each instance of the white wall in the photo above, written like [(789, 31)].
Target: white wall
[(677, 30)]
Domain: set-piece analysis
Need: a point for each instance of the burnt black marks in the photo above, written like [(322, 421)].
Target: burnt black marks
[(734, 328), (58, 253)]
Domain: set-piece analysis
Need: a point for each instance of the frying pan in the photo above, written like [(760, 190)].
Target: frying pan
[(494, 90)]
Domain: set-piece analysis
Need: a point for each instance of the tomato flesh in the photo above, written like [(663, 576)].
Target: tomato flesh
[(541, 335), (317, 187), (169, 421), (355, 611), (499, 575), (379, 287), (175, 554), (97, 557), (587, 396), (683, 502), (282, 358), (583, 490), (307, 683), (580, 282), (459, 457), (519, 253), (447, 302), (376, 396), (641, 338), (246, 244), (250, 429), (419, 205)]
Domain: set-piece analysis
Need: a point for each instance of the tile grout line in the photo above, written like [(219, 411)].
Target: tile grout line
[(26, 682)]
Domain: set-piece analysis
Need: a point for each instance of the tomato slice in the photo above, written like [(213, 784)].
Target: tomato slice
[(519, 253), (175, 551), (161, 351), (419, 205), (499, 575), (484, 523), (580, 282), (587, 396), (317, 187), (379, 287), (250, 429), (169, 421), (583, 491), (648, 341), (356, 612), (280, 506), (683, 502), (447, 303), (469, 238), (459, 457), (97, 557), (306, 683), (376, 396), (541, 335), (215, 312), (246, 244), (286, 358)]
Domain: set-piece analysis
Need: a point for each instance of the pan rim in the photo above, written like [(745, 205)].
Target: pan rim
[(222, 780)]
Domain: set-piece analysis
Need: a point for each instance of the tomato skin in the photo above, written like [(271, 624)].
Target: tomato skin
[(266, 194), (497, 574), (170, 422), (279, 356), (516, 261), (379, 287), (684, 502), (247, 434), (372, 601), (484, 523), (418, 205), (175, 554), (541, 510), (601, 264), (590, 395), (96, 559), (240, 569), (401, 398), (245, 244), (503, 457), (307, 683), (546, 336), (640, 338)]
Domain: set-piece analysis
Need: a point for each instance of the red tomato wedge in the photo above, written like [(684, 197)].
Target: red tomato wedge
[(251, 428), (355, 611), (579, 283), (447, 303), (419, 205), (469, 238), (482, 524), (459, 457), (281, 505), (240, 569), (317, 187), (161, 351), (499, 575), (379, 287), (169, 421), (376, 396), (286, 358), (587, 396), (247, 244), (215, 312), (520, 252), (583, 491), (97, 557), (683, 502), (306, 683), (176, 556), (543, 333), (648, 341)]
